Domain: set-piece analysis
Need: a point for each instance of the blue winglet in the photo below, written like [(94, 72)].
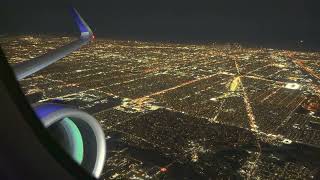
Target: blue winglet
[(82, 25)]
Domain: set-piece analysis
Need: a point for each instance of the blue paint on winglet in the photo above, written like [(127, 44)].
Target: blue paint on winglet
[(77, 18)]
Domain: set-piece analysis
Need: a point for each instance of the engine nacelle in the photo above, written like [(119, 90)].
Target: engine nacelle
[(77, 132)]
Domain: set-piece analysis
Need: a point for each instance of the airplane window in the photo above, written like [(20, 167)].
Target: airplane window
[(178, 90)]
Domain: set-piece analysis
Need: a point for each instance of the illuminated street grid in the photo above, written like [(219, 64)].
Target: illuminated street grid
[(174, 111)]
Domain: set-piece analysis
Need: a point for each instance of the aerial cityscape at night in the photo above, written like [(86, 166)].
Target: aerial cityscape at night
[(187, 110)]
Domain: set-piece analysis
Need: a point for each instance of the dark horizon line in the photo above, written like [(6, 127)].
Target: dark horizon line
[(279, 44)]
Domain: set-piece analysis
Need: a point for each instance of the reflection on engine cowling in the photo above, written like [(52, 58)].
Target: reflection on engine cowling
[(77, 132)]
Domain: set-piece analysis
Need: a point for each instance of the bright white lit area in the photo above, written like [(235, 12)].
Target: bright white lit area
[(292, 86)]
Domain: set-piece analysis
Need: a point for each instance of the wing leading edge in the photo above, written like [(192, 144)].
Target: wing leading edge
[(31, 66)]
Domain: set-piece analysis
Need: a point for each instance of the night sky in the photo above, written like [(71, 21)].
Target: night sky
[(272, 22)]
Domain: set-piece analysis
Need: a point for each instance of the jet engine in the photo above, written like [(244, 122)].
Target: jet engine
[(79, 134)]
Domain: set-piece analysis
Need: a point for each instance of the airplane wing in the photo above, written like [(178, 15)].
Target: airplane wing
[(31, 66), (77, 132)]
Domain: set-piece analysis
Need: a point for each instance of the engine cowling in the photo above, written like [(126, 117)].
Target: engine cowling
[(79, 134)]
